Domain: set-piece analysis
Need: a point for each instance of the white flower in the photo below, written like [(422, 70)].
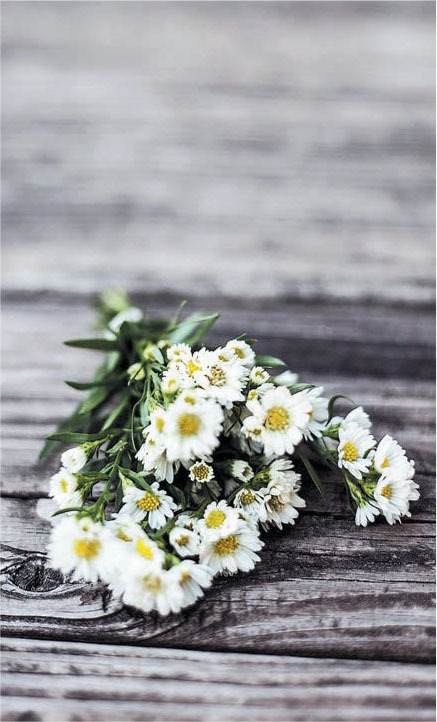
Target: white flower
[(393, 494), (151, 587), (221, 380), (242, 351), (355, 442), (365, 512), (179, 352), (250, 501), (186, 543), (63, 488), (201, 473), (136, 371), (390, 457), (357, 416), (193, 578), (74, 459), (171, 382), (193, 427), (153, 456), (280, 497), (258, 375), (286, 378), (233, 551), (131, 314), (279, 420), (77, 546), (127, 544), (241, 470), (186, 521), (154, 505), (218, 520), (318, 414)]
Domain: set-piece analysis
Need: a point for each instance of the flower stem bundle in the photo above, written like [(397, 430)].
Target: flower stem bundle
[(183, 455)]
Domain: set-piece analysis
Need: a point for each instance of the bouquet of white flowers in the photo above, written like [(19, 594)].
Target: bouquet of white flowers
[(185, 454)]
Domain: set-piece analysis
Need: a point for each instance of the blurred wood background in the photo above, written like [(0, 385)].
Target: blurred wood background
[(275, 162)]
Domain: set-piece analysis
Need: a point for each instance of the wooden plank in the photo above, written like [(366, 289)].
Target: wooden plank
[(323, 588), (247, 149), (65, 681)]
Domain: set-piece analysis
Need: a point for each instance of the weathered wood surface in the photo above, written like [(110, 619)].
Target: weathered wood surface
[(235, 147), (275, 162), (90, 682)]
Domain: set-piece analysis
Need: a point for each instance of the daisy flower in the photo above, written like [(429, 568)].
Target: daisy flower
[(258, 375), (77, 546), (357, 416), (186, 543), (218, 520), (193, 579), (286, 378), (155, 505), (153, 456), (354, 443), (278, 421), (201, 473), (150, 587), (186, 521), (171, 382), (74, 459), (390, 457), (193, 427), (242, 351), (250, 501), (393, 495), (318, 413), (232, 552), (223, 381), (179, 352), (134, 539), (63, 488), (366, 511)]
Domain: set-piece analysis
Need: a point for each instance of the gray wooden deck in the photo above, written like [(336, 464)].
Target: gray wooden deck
[(275, 162)]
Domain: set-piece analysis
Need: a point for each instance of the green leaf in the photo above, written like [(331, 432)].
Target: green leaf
[(332, 401), (313, 475), (137, 478), (108, 381), (192, 329), (71, 437), (269, 362), (115, 413), (296, 388), (95, 398), (95, 344)]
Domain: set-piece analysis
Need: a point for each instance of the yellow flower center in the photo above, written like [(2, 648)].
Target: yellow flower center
[(217, 376), (188, 424), (238, 352), (385, 463), (160, 424), (200, 471), (247, 497), (144, 549), (152, 583), (192, 367), (183, 540), (277, 419), (86, 548), (148, 502), (124, 537), (64, 485), (227, 545), (185, 577), (215, 518), (350, 451), (386, 491), (275, 503), (252, 394)]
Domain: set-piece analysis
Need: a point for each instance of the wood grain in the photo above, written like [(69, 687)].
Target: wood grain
[(57, 680), (274, 161), (324, 587), (244, 149)]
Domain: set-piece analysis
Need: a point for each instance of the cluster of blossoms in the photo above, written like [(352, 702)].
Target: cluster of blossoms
[(177, 481)]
